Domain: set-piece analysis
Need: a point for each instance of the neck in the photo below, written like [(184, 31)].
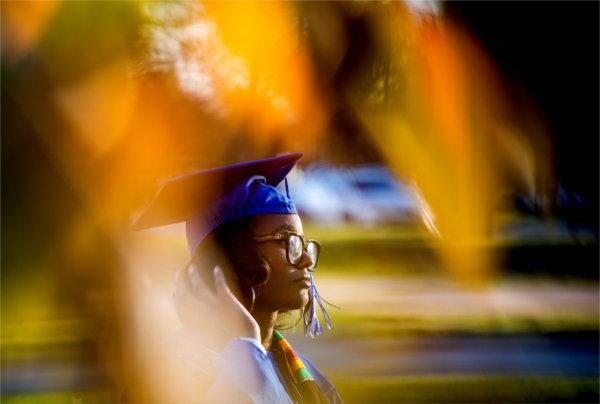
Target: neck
[(266, 321)]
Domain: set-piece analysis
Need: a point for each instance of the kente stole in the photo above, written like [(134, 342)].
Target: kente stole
[(301, 385), (297, 368)]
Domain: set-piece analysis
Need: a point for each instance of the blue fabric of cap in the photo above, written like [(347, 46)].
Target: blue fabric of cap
[(206, 199), (252, 197)]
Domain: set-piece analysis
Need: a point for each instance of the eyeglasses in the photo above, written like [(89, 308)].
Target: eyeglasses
[(295, 246)]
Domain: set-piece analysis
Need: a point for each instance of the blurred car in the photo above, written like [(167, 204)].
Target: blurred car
[(386, 198), (368, 195), (323, 195)]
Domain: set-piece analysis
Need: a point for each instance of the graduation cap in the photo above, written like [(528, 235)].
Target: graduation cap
[(206, 199)]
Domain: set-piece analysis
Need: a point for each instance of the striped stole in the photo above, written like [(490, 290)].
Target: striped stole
[(295, 364)]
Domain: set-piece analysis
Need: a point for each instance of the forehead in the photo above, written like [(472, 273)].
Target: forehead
[(266, 224)]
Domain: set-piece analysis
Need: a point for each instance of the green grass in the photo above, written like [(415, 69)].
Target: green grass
[(417, 235), (382, 326), (468, 389), (353, 232), (61, 397), (410, 250)]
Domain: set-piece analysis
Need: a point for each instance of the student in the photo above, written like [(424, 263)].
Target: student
[(250, 264)]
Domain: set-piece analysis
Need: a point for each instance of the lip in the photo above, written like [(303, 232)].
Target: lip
[(304, 282)]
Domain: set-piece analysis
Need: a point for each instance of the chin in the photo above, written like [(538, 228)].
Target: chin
[(298, 302)]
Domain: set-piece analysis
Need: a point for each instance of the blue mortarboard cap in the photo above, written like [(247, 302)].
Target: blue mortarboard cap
[(208, 198)]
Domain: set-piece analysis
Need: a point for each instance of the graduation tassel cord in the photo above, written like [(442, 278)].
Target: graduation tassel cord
[(312, 325)]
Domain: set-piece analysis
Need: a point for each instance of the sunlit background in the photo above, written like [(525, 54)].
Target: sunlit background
[(450, 171)]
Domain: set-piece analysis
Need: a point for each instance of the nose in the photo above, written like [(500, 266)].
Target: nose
[(306, 262)]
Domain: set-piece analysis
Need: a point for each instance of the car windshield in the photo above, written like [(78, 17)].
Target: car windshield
[(372, 185)]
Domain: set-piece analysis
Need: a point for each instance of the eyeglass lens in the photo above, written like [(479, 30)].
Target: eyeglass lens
[(313, 251), (296, 249)]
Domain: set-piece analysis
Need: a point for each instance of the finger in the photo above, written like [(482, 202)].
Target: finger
[(187, 295), (198, 283), (188, 299), (193, 311), (182, 281), (221, 285)]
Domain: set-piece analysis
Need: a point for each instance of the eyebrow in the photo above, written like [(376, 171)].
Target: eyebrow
[(286, 227)]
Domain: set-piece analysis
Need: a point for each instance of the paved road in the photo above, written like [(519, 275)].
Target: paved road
[(532, 355)]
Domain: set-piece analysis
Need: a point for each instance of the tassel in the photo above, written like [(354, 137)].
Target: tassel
[(312, 326)]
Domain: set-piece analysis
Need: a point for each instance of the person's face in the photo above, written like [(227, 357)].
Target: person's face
[(287, 287)]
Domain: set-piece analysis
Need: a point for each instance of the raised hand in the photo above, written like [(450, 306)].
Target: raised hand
[(213, 317)]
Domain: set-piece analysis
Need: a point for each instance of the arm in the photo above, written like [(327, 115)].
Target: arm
[(242, 371)]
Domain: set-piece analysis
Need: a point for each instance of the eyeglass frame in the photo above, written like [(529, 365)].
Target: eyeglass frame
[(285, 236)]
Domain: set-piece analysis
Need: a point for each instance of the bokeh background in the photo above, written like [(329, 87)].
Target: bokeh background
[(450, 171)]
